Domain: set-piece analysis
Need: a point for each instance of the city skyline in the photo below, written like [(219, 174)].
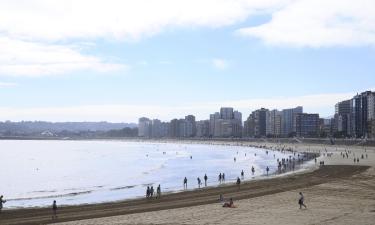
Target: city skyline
[(168, 59), (354, 118)]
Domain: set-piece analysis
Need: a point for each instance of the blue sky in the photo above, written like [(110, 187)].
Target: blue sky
[(246, 55)]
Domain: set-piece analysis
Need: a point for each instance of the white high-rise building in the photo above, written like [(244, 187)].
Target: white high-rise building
[(371, 107), (274, 123), (227, 123), (144, 127)]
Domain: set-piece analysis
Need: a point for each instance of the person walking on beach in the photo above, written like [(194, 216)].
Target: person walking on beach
[(242, 174), (185, 183), (148, 192), (238, 183), (223, 177), (152, 191), (220, 178), (267, 169), (54, 210), (1, 203), (158, 191), (199, 182), (252, 170), (301, 201), (205, 180)]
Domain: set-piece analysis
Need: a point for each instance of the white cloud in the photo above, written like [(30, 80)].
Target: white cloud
[(31, 32), (311, 23), (120, 19), (220, 64), (23, 58), (319, 23), (319, 103)]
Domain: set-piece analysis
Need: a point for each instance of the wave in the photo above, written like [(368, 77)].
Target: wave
[(52, 196), (121, 188), (44, 191)]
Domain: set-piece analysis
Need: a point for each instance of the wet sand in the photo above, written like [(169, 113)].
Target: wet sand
[(340, 201)]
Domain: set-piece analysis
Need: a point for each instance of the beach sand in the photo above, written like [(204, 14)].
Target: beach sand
[(347, 201), (343, 193)]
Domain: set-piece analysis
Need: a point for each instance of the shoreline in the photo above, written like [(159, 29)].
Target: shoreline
[(183, 199), (305, 165), (204, 198)]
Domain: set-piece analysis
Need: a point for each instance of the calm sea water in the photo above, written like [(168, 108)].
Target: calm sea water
[(34, 173)]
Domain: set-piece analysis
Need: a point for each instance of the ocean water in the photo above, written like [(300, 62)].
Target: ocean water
[(34, 173)]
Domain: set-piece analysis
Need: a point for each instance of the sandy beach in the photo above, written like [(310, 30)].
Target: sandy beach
[(341, 192)]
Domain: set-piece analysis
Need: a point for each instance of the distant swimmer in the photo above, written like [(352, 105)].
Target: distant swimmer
[(1, 203), (54, 210), (301, 201), (185, 183), (191, 157), (205, 180), (234, 159)]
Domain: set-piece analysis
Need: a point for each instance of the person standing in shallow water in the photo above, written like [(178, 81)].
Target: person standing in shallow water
[(148, 192), (152, 191), (267, 169), (54, 210), (205, 180), (185, 183), (1, 203), (301, 201)]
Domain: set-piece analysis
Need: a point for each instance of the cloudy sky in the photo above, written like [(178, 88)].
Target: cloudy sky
[(113, 60)]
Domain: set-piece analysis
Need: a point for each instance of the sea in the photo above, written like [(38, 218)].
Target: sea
[(35, 172)]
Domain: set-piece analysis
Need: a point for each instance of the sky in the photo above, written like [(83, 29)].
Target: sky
[(116, 61)]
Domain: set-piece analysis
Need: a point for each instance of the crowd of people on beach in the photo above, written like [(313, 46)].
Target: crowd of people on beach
[(150, 191), (283, 165)]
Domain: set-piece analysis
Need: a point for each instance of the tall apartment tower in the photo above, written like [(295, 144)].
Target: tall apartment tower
[(306, 125), (144, 127), (287, 120), (362, 114), (226, 113), (274, 123), (342, 117)]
